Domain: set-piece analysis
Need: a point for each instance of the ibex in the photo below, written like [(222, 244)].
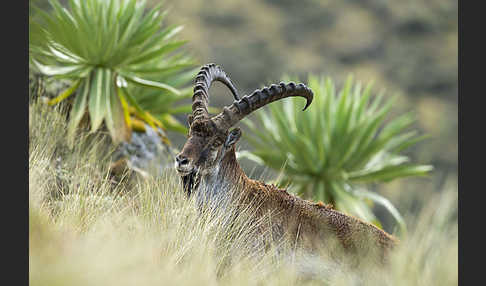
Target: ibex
[(209, 170)]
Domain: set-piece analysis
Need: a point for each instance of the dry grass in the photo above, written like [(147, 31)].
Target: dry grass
[(87, 229)]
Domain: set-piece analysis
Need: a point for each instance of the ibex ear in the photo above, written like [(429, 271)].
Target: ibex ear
[(190, 119), (233, 137)]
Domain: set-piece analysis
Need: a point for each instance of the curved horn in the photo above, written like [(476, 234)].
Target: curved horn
[(259, 98), (204, 79)]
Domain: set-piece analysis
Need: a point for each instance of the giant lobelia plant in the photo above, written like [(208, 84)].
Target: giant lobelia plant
[(339, 143), (107, 48)]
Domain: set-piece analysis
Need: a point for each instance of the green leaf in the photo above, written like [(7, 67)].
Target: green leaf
[(155, 53), (115, 116), (171, 123), (184, 109), (250, 156), (97, 97), (124, 103), (133, 102), (350, 204), (388, 173), (407, 143), (65, 94), (149, 83), (65, 71), (160, 70), (387, 205), (78, 109)]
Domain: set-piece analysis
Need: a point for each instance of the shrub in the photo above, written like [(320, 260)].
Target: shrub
[(338, 143), (106, 48)]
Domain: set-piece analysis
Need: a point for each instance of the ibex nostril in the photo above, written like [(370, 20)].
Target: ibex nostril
[(181, 160)]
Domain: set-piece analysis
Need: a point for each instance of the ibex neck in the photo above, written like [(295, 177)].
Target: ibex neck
[(226, 181)]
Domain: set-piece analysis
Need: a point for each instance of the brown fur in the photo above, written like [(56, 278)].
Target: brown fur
[(311, 218)]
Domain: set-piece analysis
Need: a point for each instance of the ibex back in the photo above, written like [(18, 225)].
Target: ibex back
[(210, 171)]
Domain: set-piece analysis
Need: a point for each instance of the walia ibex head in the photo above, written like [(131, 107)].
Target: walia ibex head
[(209, 170)]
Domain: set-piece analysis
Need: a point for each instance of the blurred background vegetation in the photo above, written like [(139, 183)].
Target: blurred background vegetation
[(407, 48)]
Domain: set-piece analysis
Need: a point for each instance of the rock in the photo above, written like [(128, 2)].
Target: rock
[(145, 154)]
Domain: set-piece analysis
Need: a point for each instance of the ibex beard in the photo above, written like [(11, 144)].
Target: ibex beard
[(209, 170)]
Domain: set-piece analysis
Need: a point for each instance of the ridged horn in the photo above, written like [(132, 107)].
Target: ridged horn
[(204, 79), (259, 98)]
